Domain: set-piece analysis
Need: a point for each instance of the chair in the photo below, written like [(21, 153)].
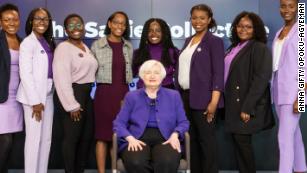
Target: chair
[(118, 165)]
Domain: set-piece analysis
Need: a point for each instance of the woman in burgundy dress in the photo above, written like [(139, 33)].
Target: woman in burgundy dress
[(114, 54)]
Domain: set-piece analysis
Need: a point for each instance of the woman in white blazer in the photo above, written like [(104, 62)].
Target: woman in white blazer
[(35, 91)]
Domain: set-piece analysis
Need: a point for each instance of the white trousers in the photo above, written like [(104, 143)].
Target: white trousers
[(38, 137)]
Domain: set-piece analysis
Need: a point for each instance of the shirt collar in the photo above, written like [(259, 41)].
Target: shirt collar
[(158, 92), (103, 42)]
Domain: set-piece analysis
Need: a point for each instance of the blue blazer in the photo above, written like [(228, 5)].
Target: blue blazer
[(134, 115), (206, 71)]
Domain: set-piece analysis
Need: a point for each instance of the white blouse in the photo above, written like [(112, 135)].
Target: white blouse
[(185, 64), (277, 53)]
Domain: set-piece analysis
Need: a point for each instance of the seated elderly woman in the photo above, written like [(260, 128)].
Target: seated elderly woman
[(151, 124)]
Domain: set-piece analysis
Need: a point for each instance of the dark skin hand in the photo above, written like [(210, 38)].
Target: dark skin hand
[(38, 111), (76, 115), (295, 107), (210, 112), (212, 106), (245, 117)]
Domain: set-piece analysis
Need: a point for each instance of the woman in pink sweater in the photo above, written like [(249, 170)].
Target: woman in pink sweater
[(74, 70)]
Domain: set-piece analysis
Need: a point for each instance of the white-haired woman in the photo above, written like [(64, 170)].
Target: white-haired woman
[(152, 121)]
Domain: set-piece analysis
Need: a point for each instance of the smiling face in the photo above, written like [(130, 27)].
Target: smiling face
[(40, 22), (200, 20), (75, 28), (10, 22), (245, 29), (288, 10), (154, 33), (152, 76), (117, 25)]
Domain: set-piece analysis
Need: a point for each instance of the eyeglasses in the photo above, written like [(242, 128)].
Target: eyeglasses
[(41, 19), (246, 27), (72, 26), (7, 20), (117, 23)]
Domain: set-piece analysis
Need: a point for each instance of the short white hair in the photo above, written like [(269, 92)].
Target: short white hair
[(147, 65)]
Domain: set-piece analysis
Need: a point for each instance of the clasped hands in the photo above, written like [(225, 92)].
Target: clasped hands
[(245, 117), (38, 112), (136, 145)]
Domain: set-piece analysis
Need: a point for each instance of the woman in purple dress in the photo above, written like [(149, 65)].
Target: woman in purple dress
[(114, 54), (156, 43), (11, 111)]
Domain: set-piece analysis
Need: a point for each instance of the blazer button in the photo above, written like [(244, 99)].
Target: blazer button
[(238, 100), (237, 87)]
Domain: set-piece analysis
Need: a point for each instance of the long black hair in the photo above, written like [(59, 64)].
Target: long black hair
[(142, 54), (259, 33), (48, 35), (126, 34)]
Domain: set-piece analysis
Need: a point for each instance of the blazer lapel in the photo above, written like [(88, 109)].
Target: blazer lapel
[(202, 42), (6, 57), (240, 55), (291, 34)]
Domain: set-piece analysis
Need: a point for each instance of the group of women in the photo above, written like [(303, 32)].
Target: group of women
[(206, 78)]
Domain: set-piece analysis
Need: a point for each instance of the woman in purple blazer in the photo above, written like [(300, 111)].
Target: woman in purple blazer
[(150, 124), (285, 67), (199, 77)]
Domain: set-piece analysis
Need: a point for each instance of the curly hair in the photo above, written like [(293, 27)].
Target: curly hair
[(142, 54), (7, 7), (259, 32), (203, 7), (48, 35), (126, 34)]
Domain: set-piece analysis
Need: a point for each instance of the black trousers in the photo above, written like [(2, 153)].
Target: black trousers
[(6, 142), (244, 153), (77, 135), (154, 157), (203, 139)]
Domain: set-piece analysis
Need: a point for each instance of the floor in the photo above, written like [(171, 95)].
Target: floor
[(109, 171)]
